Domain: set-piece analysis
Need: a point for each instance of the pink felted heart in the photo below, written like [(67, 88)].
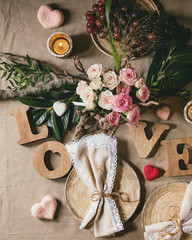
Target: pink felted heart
[(163, 112), (151, 172), (50, 18), (45, 209)]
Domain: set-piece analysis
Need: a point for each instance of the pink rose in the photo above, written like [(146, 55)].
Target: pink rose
[(128, 75), (123, 88), (133, 114), (113, 118), (143, 94), (122, 103)]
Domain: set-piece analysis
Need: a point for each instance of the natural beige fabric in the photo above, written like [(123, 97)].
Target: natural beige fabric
[(20, 185), (94, 160)]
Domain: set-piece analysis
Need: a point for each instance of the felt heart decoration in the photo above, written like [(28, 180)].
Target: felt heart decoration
[(50, 18), (151, 172), (163, 112), (45, 209), (60, 108)]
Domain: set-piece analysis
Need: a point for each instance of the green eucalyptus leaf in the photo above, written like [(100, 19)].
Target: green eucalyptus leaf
[(29, 60), (75, 117), (39, 116), (4, 74), (56, 95), (183, 55), (52, 124), (36, 102), (69, 87), (19, 71), (9, 76), (65, 119)]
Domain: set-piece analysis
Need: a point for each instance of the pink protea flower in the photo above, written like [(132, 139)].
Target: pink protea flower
[(143, 94), (128, 75), (133, 114), (113, 118), (122, 103), (123, 88)]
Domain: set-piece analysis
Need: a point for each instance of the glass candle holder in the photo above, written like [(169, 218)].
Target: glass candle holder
[(60, 44), (188, 112)]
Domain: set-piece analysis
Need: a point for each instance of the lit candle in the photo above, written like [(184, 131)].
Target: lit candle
[(59, 44), (188, 112)]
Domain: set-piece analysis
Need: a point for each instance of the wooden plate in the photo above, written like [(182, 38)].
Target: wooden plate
[(104, 45), (163, 204), (78, 196)]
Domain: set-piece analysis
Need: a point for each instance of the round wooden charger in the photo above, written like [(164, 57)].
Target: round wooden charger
[(104, 45), (78, 196), (164, 204)]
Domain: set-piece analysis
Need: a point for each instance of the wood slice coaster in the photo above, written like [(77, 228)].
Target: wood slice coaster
[(78, 196), (164, 204)]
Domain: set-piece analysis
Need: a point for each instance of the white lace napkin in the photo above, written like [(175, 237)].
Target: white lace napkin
[(95, 160), (173, 229)]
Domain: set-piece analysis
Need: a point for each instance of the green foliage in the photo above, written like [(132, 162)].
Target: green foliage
[(36, 102), (44, 111), (53, 126), (171, 68), (22, 75), (116, 56), (39, 116)]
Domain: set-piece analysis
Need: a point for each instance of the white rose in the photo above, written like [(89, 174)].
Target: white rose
[(140, 83), (90, 106), (88, 95), (81, 87), (106, 100), (110, 80), (96, 84), (95, 71)]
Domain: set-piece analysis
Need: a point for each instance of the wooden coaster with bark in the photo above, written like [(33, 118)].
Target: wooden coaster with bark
[(78, 196)]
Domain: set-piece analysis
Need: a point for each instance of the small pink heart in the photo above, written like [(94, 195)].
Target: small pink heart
[(163, 112), (50, 18), (45, 209)]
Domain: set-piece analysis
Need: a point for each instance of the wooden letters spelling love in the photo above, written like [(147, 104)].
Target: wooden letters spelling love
[(143, 145)]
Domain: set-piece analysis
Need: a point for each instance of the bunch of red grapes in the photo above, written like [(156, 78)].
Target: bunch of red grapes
[(137, 30)]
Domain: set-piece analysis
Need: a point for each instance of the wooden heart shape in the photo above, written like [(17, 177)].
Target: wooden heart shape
[(50, 18), (45, 209), (163, 112), (60, 108), (151, 172)]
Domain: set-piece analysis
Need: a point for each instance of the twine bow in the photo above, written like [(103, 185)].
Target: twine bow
[(175, 217), (96, 196), (162, 233)]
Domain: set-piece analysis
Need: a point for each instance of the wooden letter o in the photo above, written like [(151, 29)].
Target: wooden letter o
[(39, 163)]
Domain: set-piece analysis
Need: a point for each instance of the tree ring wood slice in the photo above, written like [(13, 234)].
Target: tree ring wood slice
[(163, 204), (78, 196)]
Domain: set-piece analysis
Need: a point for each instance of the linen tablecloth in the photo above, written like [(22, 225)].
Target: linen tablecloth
[(20, 185)]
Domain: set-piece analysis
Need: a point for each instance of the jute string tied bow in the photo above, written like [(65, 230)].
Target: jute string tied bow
[(180, 222), (96, 196)]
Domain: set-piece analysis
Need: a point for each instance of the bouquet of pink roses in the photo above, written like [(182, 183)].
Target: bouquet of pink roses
[(113, 96)]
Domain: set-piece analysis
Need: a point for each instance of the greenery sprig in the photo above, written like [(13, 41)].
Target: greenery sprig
[(171, 68), (20, 76), (42, 112)]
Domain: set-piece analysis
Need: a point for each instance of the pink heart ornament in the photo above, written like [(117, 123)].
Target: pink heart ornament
[(50, 18), (45, 209), (163, 113)]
